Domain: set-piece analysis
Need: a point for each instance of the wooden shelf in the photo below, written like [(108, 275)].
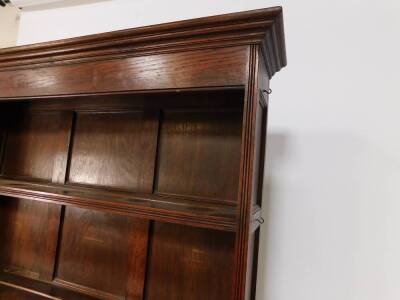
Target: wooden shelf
[(149, 147), (20, 288), (149, 206)]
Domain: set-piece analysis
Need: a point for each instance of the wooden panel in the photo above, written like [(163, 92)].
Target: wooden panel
[(199, 154), (115, 150), (3, 134), (254, 248), (201, 68), (28, 237), (260, 148), (103, 254), (189, 263), (250, 186), (64, 143), (33, 142), (262, 98)]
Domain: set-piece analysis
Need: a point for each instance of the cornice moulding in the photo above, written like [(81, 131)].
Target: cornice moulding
[(263, 27)]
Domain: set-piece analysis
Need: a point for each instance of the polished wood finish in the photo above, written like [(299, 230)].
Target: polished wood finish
[(207, 68), (263, 27), (149, 206), (28, 239), (114, 150), (119, 243), (132, 162), (193, 137), (189, 263), (33, 142)]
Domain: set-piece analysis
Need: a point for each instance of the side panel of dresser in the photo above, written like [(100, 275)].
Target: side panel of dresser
[(251, 176)]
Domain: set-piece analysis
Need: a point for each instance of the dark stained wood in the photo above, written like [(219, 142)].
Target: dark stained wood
[(28, 236), (115, 150), (260, 148), (63, 148), (190, 263), (246, 186), (252, 169), (205, 68), (3, 135), (33, 142), (253, 262), (132, 162), (206, 98), (261, 120), (257, 164), (163, 208), (95, 249), (192, 138)]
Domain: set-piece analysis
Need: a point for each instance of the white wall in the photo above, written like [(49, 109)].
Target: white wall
[(333, 181), (9, 21)]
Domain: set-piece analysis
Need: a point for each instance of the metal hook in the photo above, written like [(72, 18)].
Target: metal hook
[(261, 220), (269, 91)]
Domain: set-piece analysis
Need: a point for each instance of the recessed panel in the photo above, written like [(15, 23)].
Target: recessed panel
[(28, 237), (114, 150), (33, 141), (199, 154), (259, 154), (102, 253), (190, 263)]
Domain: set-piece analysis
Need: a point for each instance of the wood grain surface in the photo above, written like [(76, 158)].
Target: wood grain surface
[(192, 138), (202, 68), (131, 162), (32, 145), (189, 263), (115, 150), (103, 254)]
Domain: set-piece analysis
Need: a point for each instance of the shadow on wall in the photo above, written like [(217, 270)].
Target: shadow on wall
[(331, 208), (62, 4), (275, 153)]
